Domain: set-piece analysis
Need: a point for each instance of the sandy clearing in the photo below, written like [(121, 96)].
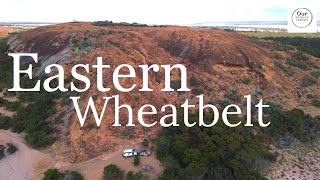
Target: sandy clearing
[(93, 169), (296, 162), (21, 165), (5, 112), (10, 98), (312, 110)]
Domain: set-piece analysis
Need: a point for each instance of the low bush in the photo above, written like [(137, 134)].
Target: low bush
[(12, 106), (136, 160), (112, 172), (11, 148), (295, 63), (145, 142), (316, 103), (39, 139), (284, 69), (2, 148), (134, 176), (175, 84), (193, 81), (315, 74), (272, 45), (308, 81), (52, 174)]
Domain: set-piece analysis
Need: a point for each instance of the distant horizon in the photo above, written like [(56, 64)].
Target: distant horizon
[(147, 12), (282, 22)]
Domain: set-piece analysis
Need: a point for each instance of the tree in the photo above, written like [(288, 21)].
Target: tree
[(112, 172), (40, 139), (52, 174)]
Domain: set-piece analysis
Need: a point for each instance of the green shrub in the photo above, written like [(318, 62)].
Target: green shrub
[(5, 122), (169, 173), (112, 172), (284, 69), (94, 97), (91, 126), (278, 56), (232, 95), (246, 81), (127, 132), (39, 139), (295, 63), (68, 79), (136, 160), (52, 174), (6, 75), (81, 44), (316, 103), (117, 44), (197, 90), (308, 81), (11, 148), (2, 148), (315, 74), (271, 45), (193, 81), (134, 176), (12, 106), (300, 56), (57, 121), (145, 142), (175, 84)]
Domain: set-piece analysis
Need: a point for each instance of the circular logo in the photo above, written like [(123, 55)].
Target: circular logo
[(302, 17)]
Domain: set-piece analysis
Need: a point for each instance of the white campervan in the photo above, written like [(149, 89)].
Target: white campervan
[(129, 153)]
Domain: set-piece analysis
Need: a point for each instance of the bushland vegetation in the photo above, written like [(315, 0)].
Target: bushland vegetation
[(31, 118), (110, 23), (229, 153), (54, 174), (220, 151)]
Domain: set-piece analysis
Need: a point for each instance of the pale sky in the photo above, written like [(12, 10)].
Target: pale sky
[(180, 12)]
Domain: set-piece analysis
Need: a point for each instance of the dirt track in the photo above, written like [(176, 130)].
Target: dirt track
[(22, 164)]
